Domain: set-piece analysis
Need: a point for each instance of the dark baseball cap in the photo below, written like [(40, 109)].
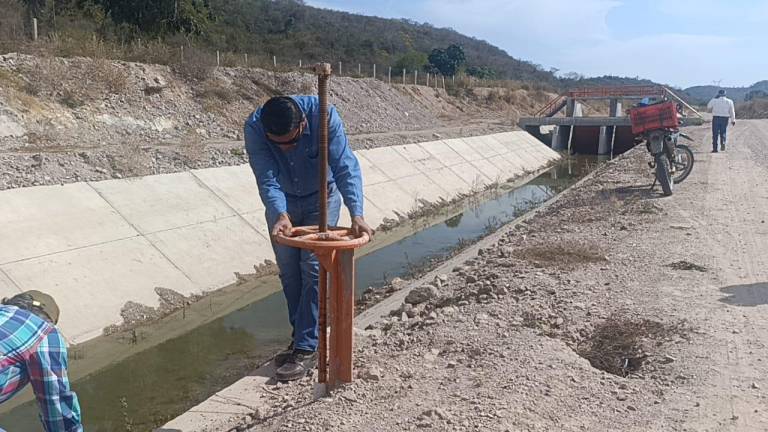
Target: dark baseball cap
[(37, 302)]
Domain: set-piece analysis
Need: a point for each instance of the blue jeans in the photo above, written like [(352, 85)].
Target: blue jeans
[(719, 128), (299, 269)]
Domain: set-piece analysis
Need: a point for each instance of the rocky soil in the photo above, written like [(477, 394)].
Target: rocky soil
[(68, 120), (601, 313)]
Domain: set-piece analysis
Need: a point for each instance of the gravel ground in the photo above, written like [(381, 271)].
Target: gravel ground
[(614, 309)]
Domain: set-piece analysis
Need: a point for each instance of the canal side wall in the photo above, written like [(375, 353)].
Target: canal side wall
[(96, 245)]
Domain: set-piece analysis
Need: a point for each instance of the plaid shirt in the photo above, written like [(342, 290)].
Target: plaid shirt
[(33, 352)]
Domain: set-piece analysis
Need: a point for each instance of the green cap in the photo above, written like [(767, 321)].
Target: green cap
[(39, 303)]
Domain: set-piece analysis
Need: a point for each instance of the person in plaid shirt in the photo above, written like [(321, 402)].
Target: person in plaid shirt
[(32, 351)]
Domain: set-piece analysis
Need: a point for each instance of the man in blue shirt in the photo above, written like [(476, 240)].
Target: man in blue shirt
[(281, 139)]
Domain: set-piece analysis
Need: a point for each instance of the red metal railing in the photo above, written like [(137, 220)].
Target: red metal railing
[(552, 107), (633, 91), (617, 92)]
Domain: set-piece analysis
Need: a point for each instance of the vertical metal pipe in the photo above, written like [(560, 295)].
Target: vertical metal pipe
[(322, 348)]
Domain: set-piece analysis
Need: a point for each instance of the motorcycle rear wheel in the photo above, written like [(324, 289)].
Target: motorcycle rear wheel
[(683, 163), (662, 173)]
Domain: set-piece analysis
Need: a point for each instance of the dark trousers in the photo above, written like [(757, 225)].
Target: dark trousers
[(719, 129)]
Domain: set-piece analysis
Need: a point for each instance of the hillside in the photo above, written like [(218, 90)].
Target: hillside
[(288, 29), (702, 94), (64, 120)]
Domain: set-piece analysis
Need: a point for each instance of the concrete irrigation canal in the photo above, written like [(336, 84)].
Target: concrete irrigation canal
[(193, 233)]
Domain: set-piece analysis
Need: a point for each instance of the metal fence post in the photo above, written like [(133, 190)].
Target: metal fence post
[(274, 61), (182, 53), (374, 71), (416, 77), (218, 59), (389, 76), (34, 29), (339, 68)]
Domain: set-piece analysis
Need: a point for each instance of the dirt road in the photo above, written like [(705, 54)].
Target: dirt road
[(613, 310)]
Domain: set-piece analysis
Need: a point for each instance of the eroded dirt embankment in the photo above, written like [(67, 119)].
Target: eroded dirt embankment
[(68, 120)]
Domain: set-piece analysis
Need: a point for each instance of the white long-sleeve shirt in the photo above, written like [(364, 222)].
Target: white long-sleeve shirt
[(722, 107)]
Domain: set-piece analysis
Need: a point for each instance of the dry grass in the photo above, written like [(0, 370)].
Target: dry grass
[(620, 345), (215, 91), (11, 79), (192, 148), (563, 254), (754, 109), (74, 83), (198, 66), (688, 266), (107, 76)]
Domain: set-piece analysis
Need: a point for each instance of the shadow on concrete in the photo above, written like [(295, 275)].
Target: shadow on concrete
[(755, 294)]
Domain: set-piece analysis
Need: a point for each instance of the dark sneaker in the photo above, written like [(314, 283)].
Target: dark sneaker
[(722, 147), (281, 357), (714, 151), (297, 366)]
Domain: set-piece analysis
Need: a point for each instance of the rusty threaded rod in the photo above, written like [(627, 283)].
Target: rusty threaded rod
[(323, 74)]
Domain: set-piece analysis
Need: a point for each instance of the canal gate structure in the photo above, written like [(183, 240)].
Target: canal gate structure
[(562, 125)]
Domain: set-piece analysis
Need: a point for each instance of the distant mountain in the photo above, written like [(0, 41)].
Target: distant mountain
[(290, 30), (702, 94)]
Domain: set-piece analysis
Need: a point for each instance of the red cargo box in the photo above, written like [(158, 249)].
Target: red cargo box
[(657, 116)]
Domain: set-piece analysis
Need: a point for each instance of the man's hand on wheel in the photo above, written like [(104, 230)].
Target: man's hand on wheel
[(282, 226), (359, 226)]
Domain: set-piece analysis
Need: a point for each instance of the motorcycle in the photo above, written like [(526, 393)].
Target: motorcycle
[(658, 125), (672, 161)]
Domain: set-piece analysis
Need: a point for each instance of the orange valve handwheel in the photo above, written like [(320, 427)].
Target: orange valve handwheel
[(310, 237)]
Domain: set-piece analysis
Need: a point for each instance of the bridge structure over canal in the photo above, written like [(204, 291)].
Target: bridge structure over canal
[(568, 129)]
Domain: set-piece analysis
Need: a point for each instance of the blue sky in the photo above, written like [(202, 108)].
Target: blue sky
[(679, 42)]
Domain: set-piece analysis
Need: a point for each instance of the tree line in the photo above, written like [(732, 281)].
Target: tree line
[(287, 29)]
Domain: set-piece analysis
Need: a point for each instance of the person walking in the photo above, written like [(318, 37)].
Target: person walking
[(281, 139), (34, 352), (723, 112)]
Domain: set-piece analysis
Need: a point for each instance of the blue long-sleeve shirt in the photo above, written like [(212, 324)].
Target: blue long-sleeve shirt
[(32, 351), (291, 174)]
